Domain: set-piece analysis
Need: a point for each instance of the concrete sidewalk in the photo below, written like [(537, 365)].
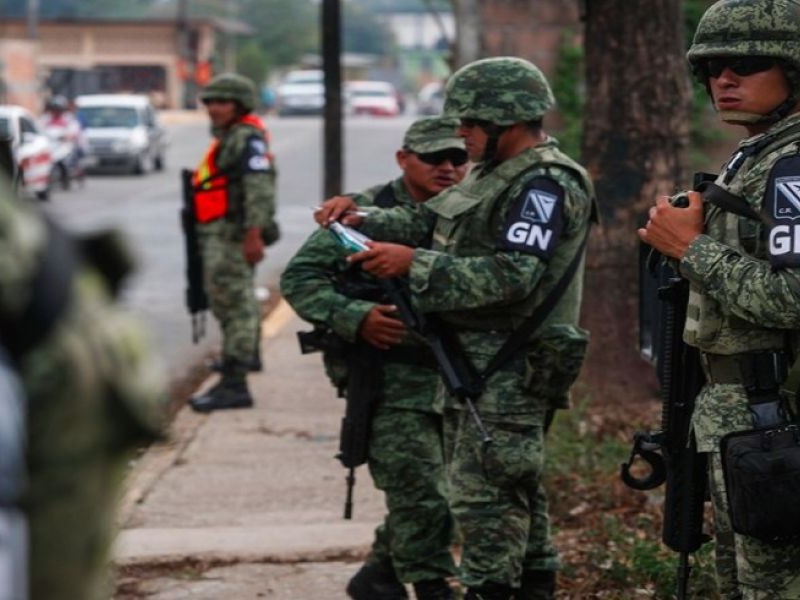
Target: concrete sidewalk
[(248, 504)]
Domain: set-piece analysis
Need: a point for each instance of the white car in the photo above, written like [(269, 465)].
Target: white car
[(430, 100), (32, 150), (302, 92), (374, 98), (121, 131)]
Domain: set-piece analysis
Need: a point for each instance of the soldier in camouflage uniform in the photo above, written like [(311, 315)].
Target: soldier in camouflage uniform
[(405, 447), (93, 393), (744, 271), (501, 239), (234, 189)]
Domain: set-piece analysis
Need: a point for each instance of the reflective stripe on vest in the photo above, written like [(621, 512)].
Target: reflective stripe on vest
[(211, 183)]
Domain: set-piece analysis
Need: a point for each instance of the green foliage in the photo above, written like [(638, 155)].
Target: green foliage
[(621, 547), (284, 29), (567, 83), (363, 33), (252, 62)]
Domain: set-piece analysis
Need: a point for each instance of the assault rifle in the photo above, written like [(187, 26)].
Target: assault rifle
[(457, 374), (196, 299), (671, 453), (364, 381)]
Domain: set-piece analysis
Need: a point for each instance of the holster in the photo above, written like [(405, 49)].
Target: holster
[(761, 466), (762, 479)]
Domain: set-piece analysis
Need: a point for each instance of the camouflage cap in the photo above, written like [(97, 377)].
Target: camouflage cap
[(432, 134), (503, 90), (748, 28)]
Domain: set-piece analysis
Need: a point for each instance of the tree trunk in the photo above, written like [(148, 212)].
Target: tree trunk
[(636, 135), (468, 32)]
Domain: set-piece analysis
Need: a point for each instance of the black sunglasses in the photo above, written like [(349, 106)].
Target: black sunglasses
[(455, 156), (741, 65), (208, 101)]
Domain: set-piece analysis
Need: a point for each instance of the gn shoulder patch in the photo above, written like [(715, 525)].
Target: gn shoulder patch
[(255, 157), (782, 202), (536, 219)]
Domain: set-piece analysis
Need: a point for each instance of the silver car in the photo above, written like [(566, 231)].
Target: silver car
[(122, 131), (302, 92)]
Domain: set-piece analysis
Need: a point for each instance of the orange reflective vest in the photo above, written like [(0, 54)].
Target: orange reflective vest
[(211, 183)]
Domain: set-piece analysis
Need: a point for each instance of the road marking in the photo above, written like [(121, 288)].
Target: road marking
[(277, 318)]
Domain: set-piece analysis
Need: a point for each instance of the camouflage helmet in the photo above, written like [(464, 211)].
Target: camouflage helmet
[(502, 90), (231, 86), (748, 28)]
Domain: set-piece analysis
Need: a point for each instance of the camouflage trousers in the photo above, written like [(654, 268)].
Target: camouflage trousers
[(228, 280), (748, 569), (406, 462), (498, 504)]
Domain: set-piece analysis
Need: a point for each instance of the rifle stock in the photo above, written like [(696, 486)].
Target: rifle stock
[(196, 298)]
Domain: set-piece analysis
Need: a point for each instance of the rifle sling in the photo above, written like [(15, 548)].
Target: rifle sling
[(722, 198), (520, 337)]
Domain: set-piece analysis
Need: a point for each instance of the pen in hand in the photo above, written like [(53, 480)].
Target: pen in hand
[(355, 213)]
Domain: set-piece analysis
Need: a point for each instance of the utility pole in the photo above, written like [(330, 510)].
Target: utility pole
[(185, 53), (332, 69), (33, 19), (230, 39), (468, 32)]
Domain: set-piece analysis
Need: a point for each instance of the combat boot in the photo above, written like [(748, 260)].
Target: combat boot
[(220, 365), (490, 591), (376, 581), (537, 585), (433, 589), (229, 392)]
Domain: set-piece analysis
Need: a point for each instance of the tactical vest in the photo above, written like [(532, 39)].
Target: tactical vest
[(211, 198), (468, 224), (709, 326)]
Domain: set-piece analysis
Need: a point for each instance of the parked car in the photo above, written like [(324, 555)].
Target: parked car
[(302, 92), (375, 98), (121, 131), (32, 150), (430, 100)]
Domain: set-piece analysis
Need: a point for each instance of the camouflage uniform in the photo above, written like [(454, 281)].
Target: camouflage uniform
[(93, 396), (228, 278), (484, 280), (243, 152), (405, 448), (744, 294)]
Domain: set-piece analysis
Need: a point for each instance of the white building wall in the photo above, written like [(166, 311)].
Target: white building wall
[(418, 31)]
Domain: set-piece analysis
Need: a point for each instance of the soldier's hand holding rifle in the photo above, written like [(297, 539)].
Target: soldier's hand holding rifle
[(671, 228)]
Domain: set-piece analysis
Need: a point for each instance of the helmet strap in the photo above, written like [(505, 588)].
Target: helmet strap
[(493, 132)]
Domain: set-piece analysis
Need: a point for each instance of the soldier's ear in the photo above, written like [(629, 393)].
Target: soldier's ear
[(401, 156)]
